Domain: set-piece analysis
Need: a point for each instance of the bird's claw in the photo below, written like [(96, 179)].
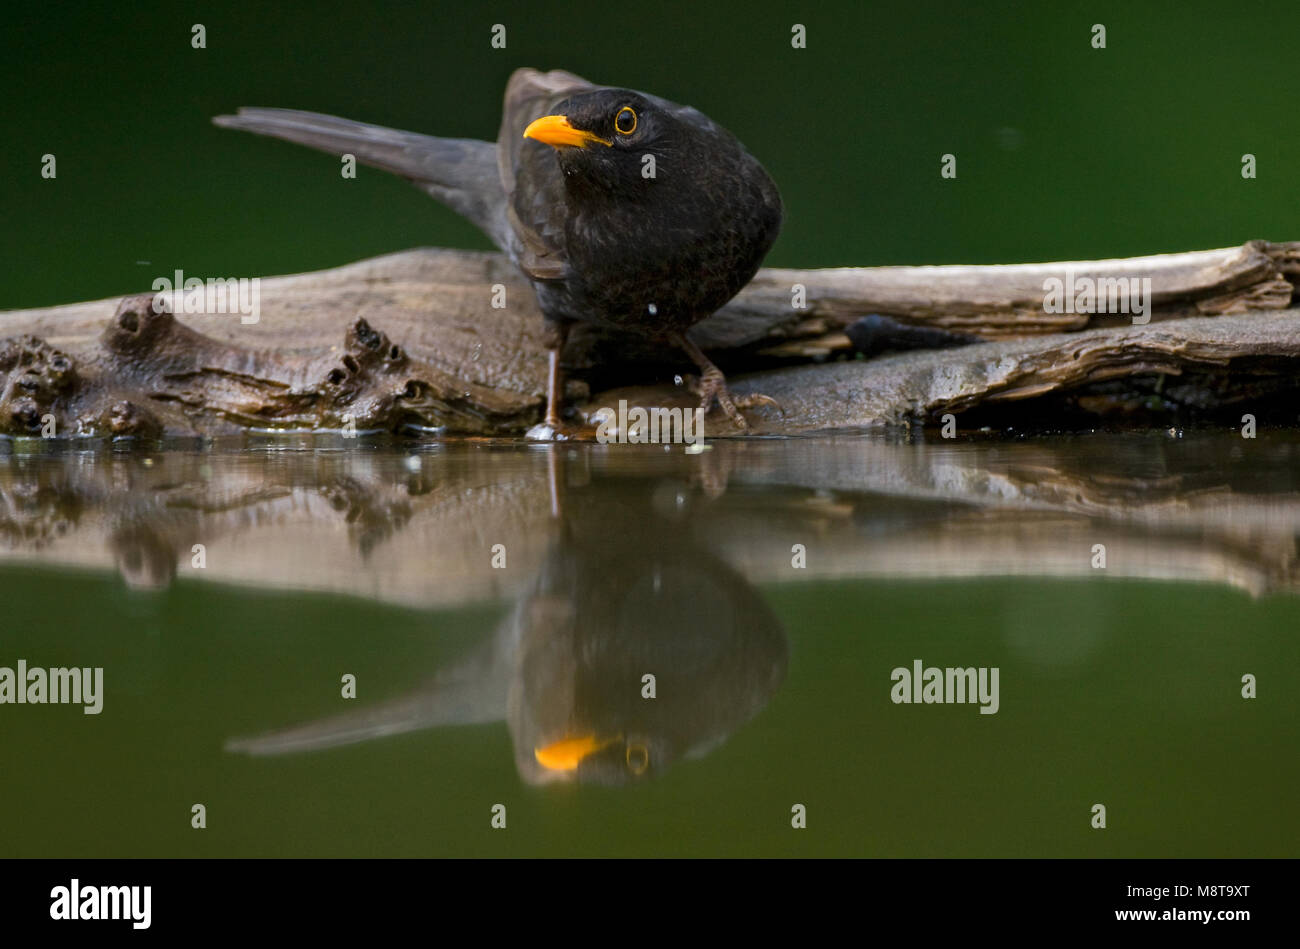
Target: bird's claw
[(755, 399), (713, 385)]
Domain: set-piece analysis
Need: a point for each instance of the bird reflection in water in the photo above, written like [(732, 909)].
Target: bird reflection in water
[(625, 593)]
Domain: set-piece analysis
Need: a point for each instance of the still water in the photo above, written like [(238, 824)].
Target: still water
[(635, 650)]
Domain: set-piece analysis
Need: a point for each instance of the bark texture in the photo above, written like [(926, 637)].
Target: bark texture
[(413, 340)]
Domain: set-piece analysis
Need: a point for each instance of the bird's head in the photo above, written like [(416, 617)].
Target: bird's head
[(589, 758), (606, 138)]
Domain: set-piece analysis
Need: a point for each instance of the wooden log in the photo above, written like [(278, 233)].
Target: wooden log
[(1003, 300), (413, 340), (1226, 359)]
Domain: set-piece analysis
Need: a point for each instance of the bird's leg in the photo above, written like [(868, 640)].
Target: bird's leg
[(554, 335), (713, 385), (555, 481)]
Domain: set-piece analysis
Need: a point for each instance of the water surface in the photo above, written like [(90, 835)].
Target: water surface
[(500, 607)]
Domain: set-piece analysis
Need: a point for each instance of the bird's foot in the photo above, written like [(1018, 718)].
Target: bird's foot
[(554, 430), (712, 384), (551, 430), (544, 432)]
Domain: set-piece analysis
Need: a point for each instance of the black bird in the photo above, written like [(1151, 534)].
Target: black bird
[(642, 215)]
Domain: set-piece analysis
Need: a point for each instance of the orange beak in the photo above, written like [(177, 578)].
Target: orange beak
[(568, 753), (555, 130)]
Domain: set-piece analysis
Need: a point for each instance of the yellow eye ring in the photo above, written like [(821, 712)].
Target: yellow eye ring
[(642, 755), (624, 114)]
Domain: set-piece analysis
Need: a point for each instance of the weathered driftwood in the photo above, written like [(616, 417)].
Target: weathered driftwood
[(413, 339), (1230, 358), (1004, 300), (419, 529)]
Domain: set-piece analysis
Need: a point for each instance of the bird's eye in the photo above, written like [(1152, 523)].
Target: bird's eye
[(638, 758), (625, 121)]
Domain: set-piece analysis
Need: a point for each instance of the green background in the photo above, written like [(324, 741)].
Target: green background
[(1064, 151), (1111, 691)]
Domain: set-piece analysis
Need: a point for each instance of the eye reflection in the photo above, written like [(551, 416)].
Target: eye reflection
[(638, 758)]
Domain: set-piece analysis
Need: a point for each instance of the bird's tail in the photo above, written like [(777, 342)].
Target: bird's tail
[(471, 691), (415, 712), (460, 172)]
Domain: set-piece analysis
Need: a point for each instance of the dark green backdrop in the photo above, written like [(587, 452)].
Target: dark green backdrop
[(1063, 151)]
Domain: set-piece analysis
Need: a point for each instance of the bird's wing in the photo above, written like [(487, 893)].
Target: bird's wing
[(530, 176)]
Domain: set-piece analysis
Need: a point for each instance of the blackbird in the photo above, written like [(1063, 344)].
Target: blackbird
[(623, 209)]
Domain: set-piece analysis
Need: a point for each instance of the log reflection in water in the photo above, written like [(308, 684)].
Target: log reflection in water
[(417, 527)]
